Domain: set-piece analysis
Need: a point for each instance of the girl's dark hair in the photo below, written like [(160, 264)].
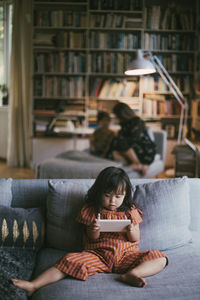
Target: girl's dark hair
[(123, 112), (102, 115), (110, 179)]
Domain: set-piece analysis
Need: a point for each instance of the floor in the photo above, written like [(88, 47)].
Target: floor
[(15, 173)]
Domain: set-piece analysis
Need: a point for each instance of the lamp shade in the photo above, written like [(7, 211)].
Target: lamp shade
[(140, 65)]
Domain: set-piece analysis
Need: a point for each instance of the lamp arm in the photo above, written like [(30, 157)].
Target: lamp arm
[(175, 91), (168, 80)]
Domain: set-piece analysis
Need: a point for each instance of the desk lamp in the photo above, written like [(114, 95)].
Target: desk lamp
[(142, 66)]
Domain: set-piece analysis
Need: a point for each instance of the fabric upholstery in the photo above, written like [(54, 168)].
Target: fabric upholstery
[(195, 204), (64, 201), (5, 191), (178, 281), (166, 213), (15, 263)]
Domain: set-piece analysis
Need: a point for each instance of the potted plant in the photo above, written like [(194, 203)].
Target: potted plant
[(4, 91)]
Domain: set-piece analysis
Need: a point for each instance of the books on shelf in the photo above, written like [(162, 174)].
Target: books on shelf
[(62, 62), (169, 41), (115, 40), (173, 17), (116, 5), (114, 89), (109, 62), (59, 18), (63, 39), (54, 86), (159, 108), (156, 84), (108, 20)]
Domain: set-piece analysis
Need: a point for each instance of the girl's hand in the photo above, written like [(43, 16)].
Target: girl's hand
[(130, 227), (94, 226), (93, 230), (133, 232)]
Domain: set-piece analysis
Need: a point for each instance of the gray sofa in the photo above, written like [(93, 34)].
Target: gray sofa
[(79, 164), (171, 222)]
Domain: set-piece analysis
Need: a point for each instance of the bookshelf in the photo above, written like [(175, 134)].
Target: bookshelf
[(81, 49)]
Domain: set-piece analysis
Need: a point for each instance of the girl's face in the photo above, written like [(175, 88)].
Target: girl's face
[(113, 200)]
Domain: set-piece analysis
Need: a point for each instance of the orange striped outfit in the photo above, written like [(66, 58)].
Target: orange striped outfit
[(111, 252)]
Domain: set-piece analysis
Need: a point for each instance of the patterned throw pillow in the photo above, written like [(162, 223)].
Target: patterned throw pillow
[(21, 227)]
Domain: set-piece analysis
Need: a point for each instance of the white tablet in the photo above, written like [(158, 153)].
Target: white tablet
[(113, 225)]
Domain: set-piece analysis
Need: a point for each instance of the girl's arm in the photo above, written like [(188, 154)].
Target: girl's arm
[(133, 233), (93, 230)]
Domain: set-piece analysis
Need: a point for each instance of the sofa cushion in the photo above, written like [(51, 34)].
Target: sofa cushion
[(21, 227), (166, 213), (15, 263), (64, 201), (5, 191), (195, 204)]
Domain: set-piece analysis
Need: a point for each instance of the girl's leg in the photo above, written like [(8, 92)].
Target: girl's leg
[(49, 276), (135, 276)]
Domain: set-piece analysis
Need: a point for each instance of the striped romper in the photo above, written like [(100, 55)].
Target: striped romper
[(111, 252)]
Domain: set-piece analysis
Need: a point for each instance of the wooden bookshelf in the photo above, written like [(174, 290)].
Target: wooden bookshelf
[(81, 50)]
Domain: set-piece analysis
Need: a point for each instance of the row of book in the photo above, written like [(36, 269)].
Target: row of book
[(115, 21), (103, 40), (171, 17), (154, 108), (53, 86), (60, 62), (177, 62), (113, 89), (65, 39), (60, 86), (169, 41), (116, 4), (59, 18), (109, 62), (75, 62), (156, 84)]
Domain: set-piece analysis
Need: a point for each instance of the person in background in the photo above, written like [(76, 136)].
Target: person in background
[(132, 145), (101, 139)]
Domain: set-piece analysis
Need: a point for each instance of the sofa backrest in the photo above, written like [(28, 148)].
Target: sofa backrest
[(161, 143), (29, 193)]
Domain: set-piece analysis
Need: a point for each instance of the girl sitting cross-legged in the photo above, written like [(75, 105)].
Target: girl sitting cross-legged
[(111, 196)]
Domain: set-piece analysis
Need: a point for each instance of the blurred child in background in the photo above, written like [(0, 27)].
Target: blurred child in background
[(100, 142)]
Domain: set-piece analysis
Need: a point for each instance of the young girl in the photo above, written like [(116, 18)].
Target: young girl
[(111, 197)]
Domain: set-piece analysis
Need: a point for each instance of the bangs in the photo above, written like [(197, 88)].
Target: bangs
[(115, 185)]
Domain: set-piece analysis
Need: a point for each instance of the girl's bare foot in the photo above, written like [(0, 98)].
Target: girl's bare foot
[(24, 285), (133, 280)]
